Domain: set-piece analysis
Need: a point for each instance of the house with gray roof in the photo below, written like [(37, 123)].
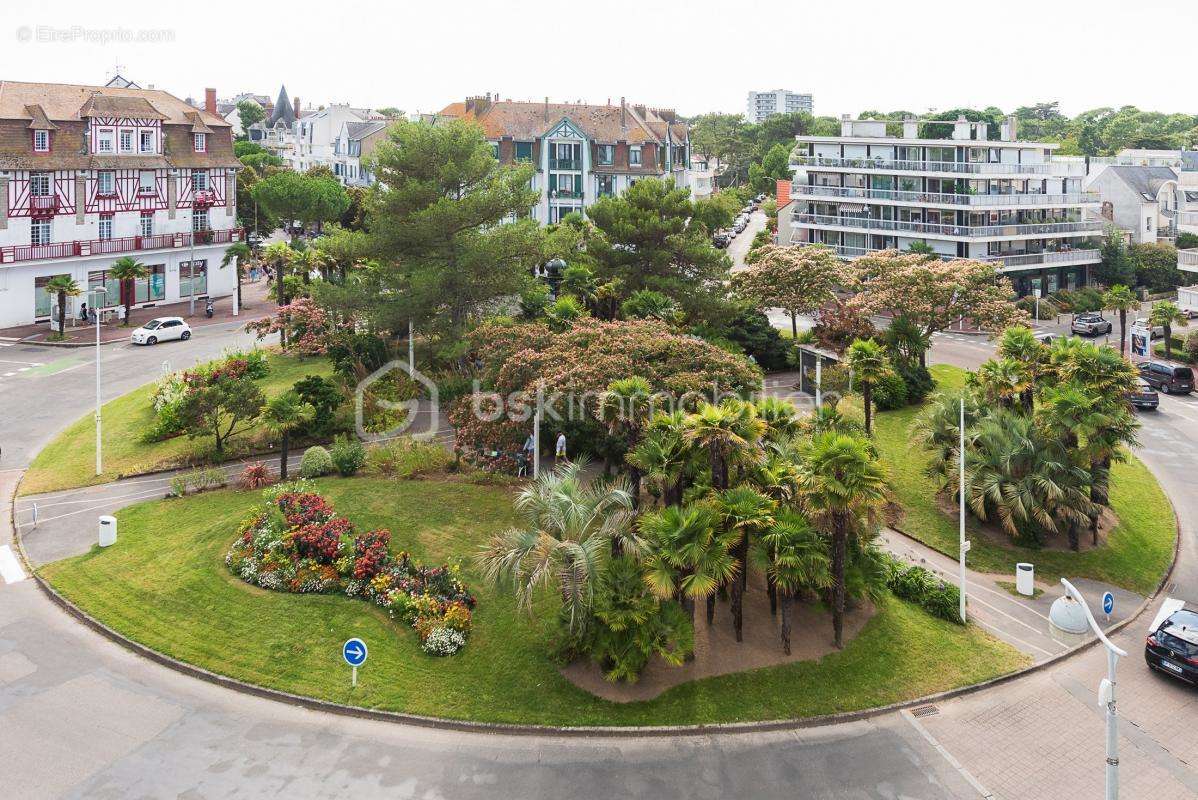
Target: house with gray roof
[(1143, 200)]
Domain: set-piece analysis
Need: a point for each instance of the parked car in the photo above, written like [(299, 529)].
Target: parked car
[(1167, 378), (721, 239), (1091, 324), (1144, 396), (1158, 331), (161, 329), (1046, 339), (1172, 644), (741, 224), (760, 198)]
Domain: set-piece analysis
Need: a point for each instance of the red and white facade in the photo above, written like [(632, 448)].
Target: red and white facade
[(91, 174)]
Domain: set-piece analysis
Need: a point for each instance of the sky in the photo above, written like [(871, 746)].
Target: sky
[(694, 56)]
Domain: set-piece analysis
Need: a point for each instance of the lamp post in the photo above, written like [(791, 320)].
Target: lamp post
[(964, 545), (100, 290), (191, 268), (1106, 695)]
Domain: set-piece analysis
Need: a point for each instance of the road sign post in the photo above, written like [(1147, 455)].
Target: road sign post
[(1108, 604), (354, 652)]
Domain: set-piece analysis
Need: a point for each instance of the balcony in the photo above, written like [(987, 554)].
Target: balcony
[(933, 198), (953, 231), (1187, 221), (1012, 261), (40, 204), (203, 199), (959, 167), (129, 244), (1187, 260), (574, 164)]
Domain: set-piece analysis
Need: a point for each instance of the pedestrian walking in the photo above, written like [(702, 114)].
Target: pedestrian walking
[(559, 449)]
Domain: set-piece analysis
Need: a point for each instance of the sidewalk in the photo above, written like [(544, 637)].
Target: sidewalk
[(254, 305)]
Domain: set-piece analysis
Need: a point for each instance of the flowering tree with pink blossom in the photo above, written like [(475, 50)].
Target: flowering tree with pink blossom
[(798, 280), (307, 327)]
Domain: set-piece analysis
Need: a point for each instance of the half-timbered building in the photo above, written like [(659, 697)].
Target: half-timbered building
[(89, 174)]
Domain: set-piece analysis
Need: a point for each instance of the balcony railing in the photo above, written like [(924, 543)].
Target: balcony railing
[(43, 204), (565, 163), (1188, 218), (1011, 260), (968, 167), (936, 229), (92, 247), (934, 198), (1187, 260)]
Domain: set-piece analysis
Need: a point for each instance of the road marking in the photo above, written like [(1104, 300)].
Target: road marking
[(10, 567), (964, 773)]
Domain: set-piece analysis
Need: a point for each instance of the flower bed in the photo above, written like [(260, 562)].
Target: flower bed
[(297, 543)]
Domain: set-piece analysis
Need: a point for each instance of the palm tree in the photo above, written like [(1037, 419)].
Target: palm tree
[(1122, 299), (781, 417), (1021, 347), (284, 415), (726, 432), (126, 270), (310, 260), (663, 457), (743, 511), (62, 287), (1165, 315), (243, 254), (564, 541), (796, 560), (687, 554), (624, 408), (867, 360), (843, 490), (937, 427), (1002, 381)]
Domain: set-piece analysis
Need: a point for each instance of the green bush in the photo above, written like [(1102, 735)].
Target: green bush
[(1191, 347), (316, 462), (918, 380), (918, 585), (407, 458), (890, 392), (1078, 301), (348, 456), (1048, 309), (326, 397)]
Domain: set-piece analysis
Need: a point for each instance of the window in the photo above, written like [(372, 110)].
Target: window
[(39, 184), (199, 220), (145, 181), (200, 141), (524, 151), (606, 154), (43, 303), (112, 289), (199, 180), (126, 141), (39, 232), (105, 183), (146, 141), (634, 156), (105, 227), (147, 223), (152, 287), (606, 185), (41, 141), (193, 284), (104, 140)]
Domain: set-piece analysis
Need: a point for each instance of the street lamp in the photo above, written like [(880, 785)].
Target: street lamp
[(100, 290), (1106, 695)]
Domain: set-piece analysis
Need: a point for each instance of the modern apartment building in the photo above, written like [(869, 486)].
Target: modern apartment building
[(776, 101), (965, 196), (90, 173), (581, 152)]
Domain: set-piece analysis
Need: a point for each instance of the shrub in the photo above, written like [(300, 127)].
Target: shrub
[(349, 456), (255, 476), (890, 392), (1191, 347), (443, 642), (325, 397), (197, 480), (407, 458), (918, 380), (1048, 309), (917, 585), (316, 462)]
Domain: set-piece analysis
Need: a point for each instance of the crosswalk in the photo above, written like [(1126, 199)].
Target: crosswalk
[(10, 567)]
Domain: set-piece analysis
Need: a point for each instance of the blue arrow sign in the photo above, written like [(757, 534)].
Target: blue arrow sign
[(1108, 602), (354, 652)]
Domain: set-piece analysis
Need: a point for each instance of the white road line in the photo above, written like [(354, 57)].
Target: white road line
[(10, 567), (964, 773), (43, 506), (1006, 636), (107, 504), (1016, 620)]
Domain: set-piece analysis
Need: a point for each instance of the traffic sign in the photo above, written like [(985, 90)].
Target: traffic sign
[(1108, 603), (354, 652), (966, 546)]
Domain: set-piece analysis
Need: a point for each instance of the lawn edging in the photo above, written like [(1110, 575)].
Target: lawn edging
[(467, 726)]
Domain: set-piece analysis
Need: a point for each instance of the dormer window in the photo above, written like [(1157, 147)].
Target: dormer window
[(41, 141), (105, 140), (201, 142), (634, 156), (146, 141)]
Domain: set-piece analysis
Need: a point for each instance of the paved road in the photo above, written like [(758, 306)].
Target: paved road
[(739, 247)]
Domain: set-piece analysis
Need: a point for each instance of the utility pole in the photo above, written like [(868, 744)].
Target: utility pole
[(819, 375), (964, 545), (536, 435), (99, 291), (411, 350)]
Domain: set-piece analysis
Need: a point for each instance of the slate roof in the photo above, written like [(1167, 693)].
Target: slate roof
[(360, 130), (283, 112), (1145, 181)]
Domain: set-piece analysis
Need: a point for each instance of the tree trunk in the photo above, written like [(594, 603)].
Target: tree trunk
[(739, 582), (840, 540), (1122, 332), (787, 602), (634, 486), (1074, 540), (284, 446), (719, 469), (867, 391), (794, 325), (711, 608), (771, 588), (62, 314), (239, 284), (1168, 342)]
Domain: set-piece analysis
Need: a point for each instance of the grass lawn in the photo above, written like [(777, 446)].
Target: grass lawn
[(165, 584), (1135, 557), (69, 461)]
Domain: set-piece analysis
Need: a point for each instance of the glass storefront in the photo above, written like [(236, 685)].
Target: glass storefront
[(193, 282)]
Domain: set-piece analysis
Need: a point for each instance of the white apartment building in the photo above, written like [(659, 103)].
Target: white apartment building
[(776, 101), (965, 196), (89, 174), (317, 132), (581, 152)]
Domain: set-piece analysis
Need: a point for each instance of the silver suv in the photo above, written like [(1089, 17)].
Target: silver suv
[(1091, 324)]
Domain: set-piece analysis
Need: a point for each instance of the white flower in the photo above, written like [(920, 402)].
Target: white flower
[(444, 642)]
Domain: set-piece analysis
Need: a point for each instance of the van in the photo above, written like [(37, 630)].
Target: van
[(1167, 378)]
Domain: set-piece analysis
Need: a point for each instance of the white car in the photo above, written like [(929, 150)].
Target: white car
[(162, 329)]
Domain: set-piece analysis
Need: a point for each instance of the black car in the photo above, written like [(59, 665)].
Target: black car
[(1091, 324), (720, 240), (1144, 396), (1172, 644), (1167, 378)]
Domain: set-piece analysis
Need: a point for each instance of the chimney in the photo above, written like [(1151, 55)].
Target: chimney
[(296, 107), (962, 129), (210, 101), (623, 114), (910, 128), (1009, 130), (846, 125), (545, 113)]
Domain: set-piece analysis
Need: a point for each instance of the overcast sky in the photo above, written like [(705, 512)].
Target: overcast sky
[(693, 56)]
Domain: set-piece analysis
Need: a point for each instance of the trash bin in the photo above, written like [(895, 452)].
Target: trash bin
[(1025, 579), (107, 531)]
